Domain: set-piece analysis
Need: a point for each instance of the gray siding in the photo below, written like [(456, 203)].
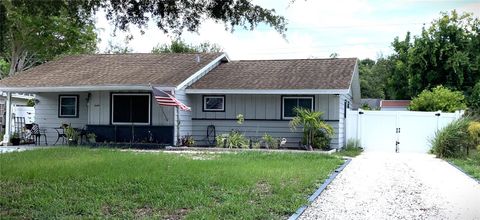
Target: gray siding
[(342, 120), (262, 115), (185, 117), (96, 111), (254, 129), (260, 107), (46, 113)]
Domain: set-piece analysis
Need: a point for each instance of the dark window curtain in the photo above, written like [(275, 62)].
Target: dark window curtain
[(130, 109)]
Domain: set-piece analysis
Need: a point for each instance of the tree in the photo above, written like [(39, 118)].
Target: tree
[(36, 31), (446, 53), (312, 123), (372, 77), (439, 99), (179, 46)]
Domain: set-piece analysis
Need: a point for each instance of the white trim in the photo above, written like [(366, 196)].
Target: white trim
[(268, 91), (295, 97), (191, 79), (83, 88), (204, 108), (60, 106), (132, 94)]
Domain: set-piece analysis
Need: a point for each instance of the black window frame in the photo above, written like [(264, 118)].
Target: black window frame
[(295, 97), (77, 109), (204, 99), (112, 122)]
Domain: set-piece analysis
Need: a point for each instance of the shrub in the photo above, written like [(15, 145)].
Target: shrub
[(316, 132), (439, 99), (453, 140), (353, 143), (269, 141), (234, 139), (474, 98), (474, 131)]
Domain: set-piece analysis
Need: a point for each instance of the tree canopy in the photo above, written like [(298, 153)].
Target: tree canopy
[(37, 31), (438, 99), (445, 53), (179, 46)]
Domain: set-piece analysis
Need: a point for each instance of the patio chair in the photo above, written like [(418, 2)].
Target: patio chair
[(37, 133), (60, 134)]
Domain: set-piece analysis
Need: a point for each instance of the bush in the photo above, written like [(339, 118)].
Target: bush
[(234, 139), (439, 99), (269, 141), (474, 131), (321, 140), (453, 140), (474, 98)]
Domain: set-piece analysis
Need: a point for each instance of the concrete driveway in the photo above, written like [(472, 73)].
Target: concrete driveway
[(398, 186)]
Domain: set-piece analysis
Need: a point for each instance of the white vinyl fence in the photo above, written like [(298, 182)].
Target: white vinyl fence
[(396, 131)]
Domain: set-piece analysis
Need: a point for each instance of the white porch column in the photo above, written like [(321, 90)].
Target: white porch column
[(8, 120)]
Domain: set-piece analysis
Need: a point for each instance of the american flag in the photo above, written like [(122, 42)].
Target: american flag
[(166, 99)]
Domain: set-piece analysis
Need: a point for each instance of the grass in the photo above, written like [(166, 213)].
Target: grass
[(105, 183), (470, 164), (349, 152)]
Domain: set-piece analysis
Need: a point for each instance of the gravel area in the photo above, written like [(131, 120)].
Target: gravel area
[(398, 186)]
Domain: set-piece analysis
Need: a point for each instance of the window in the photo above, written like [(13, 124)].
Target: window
[(130, 108), (289, 103), (68, 106), (213, 103)]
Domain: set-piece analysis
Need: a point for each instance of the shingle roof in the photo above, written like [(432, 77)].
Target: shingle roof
[(280, 74), (112, 69)]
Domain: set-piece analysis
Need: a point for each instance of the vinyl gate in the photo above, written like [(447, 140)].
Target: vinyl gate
[(385, 131)]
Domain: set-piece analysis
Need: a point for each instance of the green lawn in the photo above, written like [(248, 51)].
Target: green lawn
[(99, 183), (470, 165), (349, 152)]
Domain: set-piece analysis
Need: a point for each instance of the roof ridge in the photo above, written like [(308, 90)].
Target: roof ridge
[(345, 58)]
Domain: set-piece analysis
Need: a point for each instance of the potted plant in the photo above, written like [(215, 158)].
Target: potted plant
[(15, 139), (72, 136), (92, 138)]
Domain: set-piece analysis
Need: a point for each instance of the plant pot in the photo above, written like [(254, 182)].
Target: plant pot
[(15, 141)]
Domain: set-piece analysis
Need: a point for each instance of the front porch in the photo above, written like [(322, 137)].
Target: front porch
[(119, 117)]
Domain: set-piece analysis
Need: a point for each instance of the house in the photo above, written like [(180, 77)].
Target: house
[(394, 105), (111, 95)]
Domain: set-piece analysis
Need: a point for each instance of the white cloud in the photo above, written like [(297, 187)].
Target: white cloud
[(354, 28)]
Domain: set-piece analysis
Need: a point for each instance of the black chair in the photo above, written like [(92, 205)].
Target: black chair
[(60, 134), (37, 133)]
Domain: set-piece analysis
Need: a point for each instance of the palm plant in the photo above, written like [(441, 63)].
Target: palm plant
[(310, 121)]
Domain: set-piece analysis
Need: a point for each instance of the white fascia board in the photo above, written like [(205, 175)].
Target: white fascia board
[(267, 91), (83, 88), (200, 72)]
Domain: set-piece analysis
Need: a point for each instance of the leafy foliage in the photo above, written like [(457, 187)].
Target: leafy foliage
[(445, 53), (474, 131), (453, 140), (474, 98), (439, 99), (315, 130), (179, 46), (37, 31), (269, 141)]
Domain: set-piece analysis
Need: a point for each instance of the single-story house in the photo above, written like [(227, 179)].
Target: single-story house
[(394, 105), (111, 95)]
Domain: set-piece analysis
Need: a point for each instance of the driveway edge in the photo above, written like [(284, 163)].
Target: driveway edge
[(461, 170), (319, 191)]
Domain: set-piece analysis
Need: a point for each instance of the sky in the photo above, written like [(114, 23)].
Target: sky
[(316, 29)]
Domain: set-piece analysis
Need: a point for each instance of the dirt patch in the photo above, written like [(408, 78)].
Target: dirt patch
[(178, 214), (143, 212)]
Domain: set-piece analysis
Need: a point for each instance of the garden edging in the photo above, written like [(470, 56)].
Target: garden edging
[(317, 193)]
